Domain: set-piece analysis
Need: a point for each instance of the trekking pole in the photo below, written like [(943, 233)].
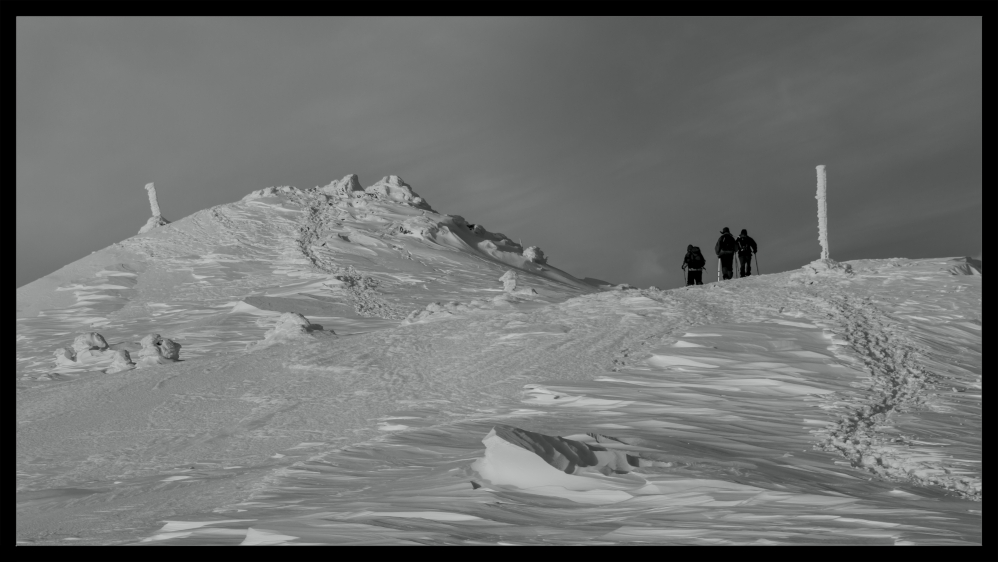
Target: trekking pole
[(684, 277), (738, 260), (757, 272), (718, 269)]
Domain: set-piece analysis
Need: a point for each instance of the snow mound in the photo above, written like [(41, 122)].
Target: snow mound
[(291, 326), (439, 311), (153, 222), (823, 267)]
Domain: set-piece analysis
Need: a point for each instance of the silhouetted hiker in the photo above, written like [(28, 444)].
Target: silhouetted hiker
[(746, 247), (693, 264), (725, 249)]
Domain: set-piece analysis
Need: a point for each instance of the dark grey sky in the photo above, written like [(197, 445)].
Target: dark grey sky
[(611, 143)]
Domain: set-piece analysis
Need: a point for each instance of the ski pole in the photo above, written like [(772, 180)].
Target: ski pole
[(757, 271), (718, 269), (684, 277)]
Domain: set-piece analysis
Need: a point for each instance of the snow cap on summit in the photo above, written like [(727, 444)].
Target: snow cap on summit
[(346, 186), (392, 187)]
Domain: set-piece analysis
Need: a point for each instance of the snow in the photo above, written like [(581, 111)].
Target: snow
[(352, 372)]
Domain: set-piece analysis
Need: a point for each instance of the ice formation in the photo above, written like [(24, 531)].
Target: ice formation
[(508, 281), (156, 220)]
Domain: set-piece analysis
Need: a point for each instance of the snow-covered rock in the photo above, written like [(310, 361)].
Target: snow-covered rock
[(534, 254), (344, 187), (122, 362), (88, 341), (291, 326), (157, 350), (394, 189), (65, 356)]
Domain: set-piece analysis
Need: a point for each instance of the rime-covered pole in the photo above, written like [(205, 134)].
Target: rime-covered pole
[(153, 204), (822, 213), (156, 220)]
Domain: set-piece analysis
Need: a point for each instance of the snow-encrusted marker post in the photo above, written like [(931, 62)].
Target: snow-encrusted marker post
[(822, 212), (156, 220), (153, 203), (824, 264)]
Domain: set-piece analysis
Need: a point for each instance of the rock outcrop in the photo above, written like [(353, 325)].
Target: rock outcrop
[(156, 220)]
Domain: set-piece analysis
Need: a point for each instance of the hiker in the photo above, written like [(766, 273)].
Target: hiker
[(725, 250), (746, 248), (693, 264)]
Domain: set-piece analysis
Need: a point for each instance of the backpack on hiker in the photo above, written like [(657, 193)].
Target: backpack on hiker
[(726, 244), (695, 259)]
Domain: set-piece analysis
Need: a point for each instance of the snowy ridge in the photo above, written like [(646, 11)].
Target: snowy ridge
[(357, 368)]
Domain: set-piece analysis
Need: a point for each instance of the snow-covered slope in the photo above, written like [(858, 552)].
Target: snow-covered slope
[(349, 259), (820, 406)]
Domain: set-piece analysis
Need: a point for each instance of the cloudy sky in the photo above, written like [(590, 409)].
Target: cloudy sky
[(611, 143)]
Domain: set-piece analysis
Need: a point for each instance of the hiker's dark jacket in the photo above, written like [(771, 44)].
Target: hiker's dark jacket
[(725, 245), (746, 245), (688, 262)]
